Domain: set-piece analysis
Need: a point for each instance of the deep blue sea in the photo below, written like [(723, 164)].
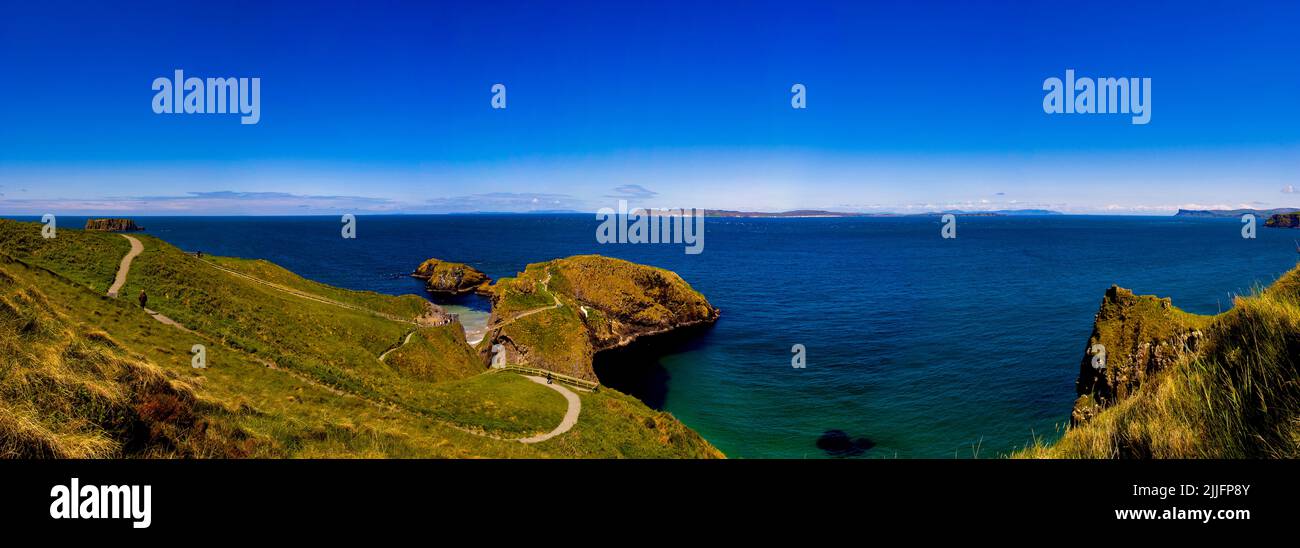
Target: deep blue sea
[(925, 346)]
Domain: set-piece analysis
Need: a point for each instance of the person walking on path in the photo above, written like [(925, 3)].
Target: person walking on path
[(144, 299)]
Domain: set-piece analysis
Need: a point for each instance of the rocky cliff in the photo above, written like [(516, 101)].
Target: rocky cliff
[(556, 315), (112, 225), (448, 278), (1179, 385), (1133, 338)]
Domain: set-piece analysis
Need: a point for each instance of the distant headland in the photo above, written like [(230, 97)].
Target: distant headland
[(1234, 212), (811, 213)]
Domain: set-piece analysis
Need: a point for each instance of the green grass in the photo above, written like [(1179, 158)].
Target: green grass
[(89, 258), (623, 300), (1238, 398), (554, 340), (71, 392), (436, 354), (329, 395), (405, 306), (503, 404)]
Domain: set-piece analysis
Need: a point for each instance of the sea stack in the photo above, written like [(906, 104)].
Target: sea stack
[(112, 225), (448, 278), (1134, 337)]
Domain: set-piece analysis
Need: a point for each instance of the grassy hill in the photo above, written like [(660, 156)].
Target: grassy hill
[(558, 314), (1233, 393), (82, 374)]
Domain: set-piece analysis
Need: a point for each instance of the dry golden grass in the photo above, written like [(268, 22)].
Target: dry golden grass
[(1239, 399)]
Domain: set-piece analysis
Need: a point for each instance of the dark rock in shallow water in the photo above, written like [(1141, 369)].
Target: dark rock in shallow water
[(837, 443)]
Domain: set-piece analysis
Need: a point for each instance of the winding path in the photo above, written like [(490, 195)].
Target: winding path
[(570, 414), (306, 295), (405, 341), (530, 312), (125, 266), (120, 280)]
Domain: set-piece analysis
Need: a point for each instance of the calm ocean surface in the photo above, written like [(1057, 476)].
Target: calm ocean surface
[(925, 346)]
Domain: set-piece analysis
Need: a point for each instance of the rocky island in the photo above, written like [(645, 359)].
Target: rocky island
[(558, 314), (1284, 220), (113, 225), (448, 278)]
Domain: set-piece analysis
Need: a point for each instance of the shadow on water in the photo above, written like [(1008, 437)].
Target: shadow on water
[(636, 370), (472, 301), (838, 443)]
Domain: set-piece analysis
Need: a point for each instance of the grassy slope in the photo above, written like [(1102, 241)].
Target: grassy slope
[(436, 354), (328, 395), (76, 393), (405, 306), (1240, 398), (554, 339)]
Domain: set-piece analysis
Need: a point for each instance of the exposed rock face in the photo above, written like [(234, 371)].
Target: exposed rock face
[(556, 315), (1284, 220), (433, 315), (447, 278), (112, 225), (1140, 335)]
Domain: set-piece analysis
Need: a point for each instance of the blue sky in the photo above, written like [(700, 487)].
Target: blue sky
[(385, 106)]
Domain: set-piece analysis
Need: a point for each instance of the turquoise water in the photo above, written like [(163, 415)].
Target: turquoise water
[(925, 347)]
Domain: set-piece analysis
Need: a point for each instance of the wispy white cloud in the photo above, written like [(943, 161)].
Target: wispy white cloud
[(1150, 182), (632, 192), (222, 202), (514, 202)]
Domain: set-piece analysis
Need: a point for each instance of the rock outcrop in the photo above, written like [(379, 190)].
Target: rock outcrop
[(112, 225), (1133, 337), (448, 278), (1179, 385), (556, 315), (1284, 220)]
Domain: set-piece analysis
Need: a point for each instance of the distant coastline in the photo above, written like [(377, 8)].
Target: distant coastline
[(815, 213), (1235, 212), (722, 213)]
